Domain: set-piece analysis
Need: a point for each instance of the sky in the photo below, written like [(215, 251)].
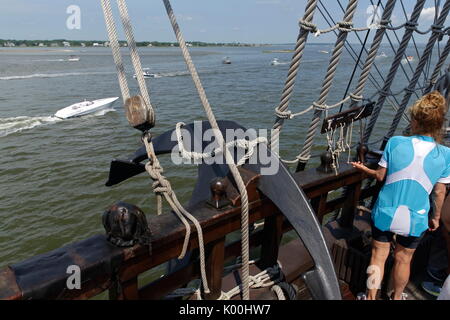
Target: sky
[(245, 21)]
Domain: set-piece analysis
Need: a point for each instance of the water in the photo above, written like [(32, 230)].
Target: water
[(52, 172)]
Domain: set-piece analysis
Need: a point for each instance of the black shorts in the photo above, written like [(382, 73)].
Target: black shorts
[(409, 242)]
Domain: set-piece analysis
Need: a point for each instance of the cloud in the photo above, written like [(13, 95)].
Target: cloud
[(428, 14)]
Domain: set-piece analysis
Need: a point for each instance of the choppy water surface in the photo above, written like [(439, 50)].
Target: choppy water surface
[(52, 172)]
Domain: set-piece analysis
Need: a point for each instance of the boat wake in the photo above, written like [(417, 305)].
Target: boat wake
[(17, 124), (13, 125), (171, 74), (53, 75)]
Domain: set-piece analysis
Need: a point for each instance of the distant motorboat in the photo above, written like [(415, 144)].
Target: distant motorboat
[(226, 60), (85, 107), (275, 62), (73, 59), (147, 74)]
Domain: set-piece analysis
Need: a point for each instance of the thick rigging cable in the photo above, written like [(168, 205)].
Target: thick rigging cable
[(305, 28), (326, 86), (411, 26), (437, 31)]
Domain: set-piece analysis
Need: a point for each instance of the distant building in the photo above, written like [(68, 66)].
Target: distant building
[(125, 44), (106, 44), (96, 44), (66, 44), (41, 45), (9, 44), (149, 45), (188, 44), (83, 44), (53, 44), (23, 45)]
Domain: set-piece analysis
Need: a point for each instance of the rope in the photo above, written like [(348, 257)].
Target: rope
[(161, 186), (125, 17), (327, 83), (352, 51), (393, 70), (115, 47), (305, 26), (218, 135), (279, 292), (348, 27), (438, 67), (422, 62), (376, 43), (240, 143), (266, 278)]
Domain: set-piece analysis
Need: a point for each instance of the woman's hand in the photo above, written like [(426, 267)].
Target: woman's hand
[(433, 224), (359, 165), (378, 174)]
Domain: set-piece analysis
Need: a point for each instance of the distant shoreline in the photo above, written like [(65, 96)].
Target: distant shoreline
[(62, 43)]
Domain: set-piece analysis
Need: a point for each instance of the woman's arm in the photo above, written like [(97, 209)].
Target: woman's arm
[(439, 197), (378, 174)]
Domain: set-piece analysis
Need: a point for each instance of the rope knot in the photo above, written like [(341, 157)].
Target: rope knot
[(411, 25), (409, 90), (384, 93), (345, 26), (321, 107), (355, 97), (384, 23), (303, 159), (283, 114), (308, 26), (437, 28)]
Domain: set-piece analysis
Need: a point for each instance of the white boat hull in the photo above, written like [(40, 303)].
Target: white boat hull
[(84, 108)]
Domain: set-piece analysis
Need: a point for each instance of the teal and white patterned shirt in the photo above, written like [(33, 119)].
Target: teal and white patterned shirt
[(414, 165)]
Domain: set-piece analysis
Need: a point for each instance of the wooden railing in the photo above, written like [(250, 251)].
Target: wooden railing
[(105, 267)]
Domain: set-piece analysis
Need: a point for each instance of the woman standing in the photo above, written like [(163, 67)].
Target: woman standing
[(413, 167)]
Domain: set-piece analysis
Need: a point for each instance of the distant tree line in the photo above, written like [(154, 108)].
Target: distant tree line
[(81, 43)]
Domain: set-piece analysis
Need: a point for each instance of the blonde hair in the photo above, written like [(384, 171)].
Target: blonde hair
[(429, 115)]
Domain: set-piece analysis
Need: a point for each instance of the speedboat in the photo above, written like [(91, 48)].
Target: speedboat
[(275, 62), (73, 59), (226, 60), (86, 107), (147, 74), (324, 51)]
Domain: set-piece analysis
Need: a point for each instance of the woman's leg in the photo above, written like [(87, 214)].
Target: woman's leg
[(402, 264), (380, 252)]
